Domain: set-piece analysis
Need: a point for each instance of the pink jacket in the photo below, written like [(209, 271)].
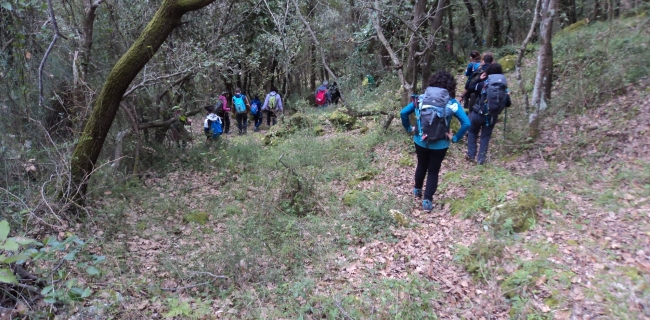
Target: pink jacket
[(225, 103)]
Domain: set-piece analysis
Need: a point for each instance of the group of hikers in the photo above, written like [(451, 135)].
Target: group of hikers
[(485, 96), (217, 120)]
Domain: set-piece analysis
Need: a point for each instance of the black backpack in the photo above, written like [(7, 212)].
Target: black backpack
[(494, 96)]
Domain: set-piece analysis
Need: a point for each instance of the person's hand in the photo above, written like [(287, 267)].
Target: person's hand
[(483, 76), (450, 135)]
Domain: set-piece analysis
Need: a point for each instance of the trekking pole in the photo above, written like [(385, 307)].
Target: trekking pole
[(505, 120)]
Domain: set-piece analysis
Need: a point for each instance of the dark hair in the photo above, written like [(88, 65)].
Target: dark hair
[(488, 57), (237, 90), (443, 79), (494, 68), (474, 54), (273, 88), (209, 109)]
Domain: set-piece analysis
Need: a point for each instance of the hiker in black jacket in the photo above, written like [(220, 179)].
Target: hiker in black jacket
[(480, 122), (470, 95)]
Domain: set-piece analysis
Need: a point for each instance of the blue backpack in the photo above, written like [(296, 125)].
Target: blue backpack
[(216, 128), (240, 105), (254, 108)]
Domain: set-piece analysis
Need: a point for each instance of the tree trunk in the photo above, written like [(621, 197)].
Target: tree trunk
[(312, 71), (543, 78), (568, 7), (414, 61), (522, 49), (81, 61), (507, 32), (596, 13), (493, 34), (472, 22), (86, 152), (397, 63), (450, 36), (436, 24)]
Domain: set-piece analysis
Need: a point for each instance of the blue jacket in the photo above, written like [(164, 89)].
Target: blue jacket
[(471, 68), (459, 113)]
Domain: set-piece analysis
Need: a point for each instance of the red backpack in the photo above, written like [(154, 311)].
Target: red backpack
[(321, 97)]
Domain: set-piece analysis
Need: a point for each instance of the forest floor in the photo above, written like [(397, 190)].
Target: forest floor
[(584, 252)]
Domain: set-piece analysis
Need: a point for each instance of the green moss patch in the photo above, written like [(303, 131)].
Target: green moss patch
[(364, 176), (520, 215), (351, 197), (199, 217), (341, 120), (319, 131), (508, 62)]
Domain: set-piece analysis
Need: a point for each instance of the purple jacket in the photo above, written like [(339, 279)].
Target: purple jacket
[(225, 103), (278, 101)]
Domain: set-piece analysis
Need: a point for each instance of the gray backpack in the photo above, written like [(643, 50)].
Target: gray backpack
[(433, 115)]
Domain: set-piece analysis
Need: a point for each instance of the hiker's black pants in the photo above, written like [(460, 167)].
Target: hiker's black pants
[(258, 119), (479, 125), (226, 121), (269, 115), (242, 121), (429, 162)]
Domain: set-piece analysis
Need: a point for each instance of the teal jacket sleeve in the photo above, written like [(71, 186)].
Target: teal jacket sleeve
[(404, 115), (464, 124)]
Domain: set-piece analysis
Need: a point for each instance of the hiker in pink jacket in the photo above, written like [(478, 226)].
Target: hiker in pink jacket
[(224, 112)]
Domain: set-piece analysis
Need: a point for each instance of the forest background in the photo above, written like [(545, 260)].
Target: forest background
[(88, 88)]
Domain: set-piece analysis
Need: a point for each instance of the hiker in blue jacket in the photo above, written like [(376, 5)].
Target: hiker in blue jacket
[(473, 66), (256, 112), (480, 123), (441, 91)]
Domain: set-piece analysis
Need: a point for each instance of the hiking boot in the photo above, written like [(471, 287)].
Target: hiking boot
[(417, 193), (470, 160), (256, 130), (427, 205)]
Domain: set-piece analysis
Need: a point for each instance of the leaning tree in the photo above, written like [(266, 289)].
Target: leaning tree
[(86, 152)]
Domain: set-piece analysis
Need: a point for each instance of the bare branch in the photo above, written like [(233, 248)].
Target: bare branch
[(145, 81), (56, 36), (315, 39)]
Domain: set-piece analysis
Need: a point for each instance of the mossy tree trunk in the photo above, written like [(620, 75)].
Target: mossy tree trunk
[(86, 153), (472, 22), (493, 33), (543, 78)]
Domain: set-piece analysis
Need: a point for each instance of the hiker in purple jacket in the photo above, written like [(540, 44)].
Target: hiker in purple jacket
[(272, 106), (224, 114)]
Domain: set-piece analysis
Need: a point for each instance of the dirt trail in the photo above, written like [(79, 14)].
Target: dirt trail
[(606, 251)]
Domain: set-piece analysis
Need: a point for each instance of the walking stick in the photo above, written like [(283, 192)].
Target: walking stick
[(505, 120)]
